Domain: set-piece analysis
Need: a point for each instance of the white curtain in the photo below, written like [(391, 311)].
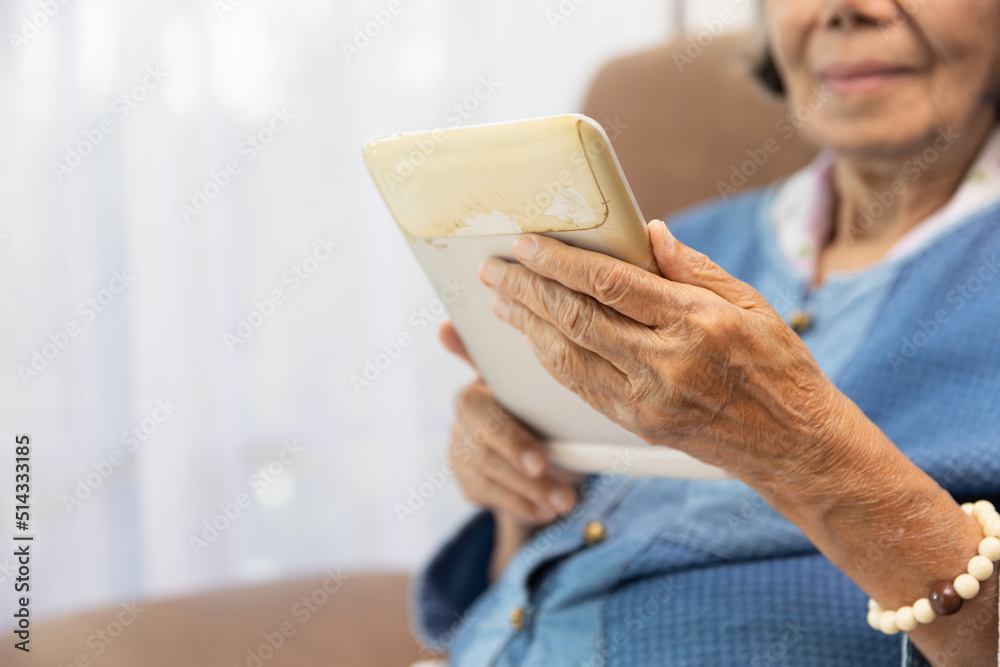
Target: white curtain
[(194, 264)]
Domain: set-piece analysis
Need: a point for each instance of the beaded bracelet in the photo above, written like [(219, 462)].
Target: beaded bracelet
[(946, 597)]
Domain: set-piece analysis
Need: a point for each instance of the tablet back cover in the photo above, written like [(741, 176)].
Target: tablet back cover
[(463, 195)]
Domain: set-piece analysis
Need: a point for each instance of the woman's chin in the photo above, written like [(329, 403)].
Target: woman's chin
[(871, 139)]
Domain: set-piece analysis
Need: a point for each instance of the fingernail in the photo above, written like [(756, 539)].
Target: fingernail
[(525, 247), (491, 272), (530, 343), (561, 500), (501, 307), (533, 463)]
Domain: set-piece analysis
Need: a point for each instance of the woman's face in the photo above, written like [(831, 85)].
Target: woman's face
[(882, 78)]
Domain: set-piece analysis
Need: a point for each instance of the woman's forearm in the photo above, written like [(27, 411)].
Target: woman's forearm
[(893, 530)]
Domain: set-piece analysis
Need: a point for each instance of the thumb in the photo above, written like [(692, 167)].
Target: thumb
[(682, 264)]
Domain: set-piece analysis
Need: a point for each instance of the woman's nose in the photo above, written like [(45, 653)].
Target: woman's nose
[(841, 14)]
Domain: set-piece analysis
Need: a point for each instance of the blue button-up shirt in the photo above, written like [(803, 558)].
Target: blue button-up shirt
[(706, 572)]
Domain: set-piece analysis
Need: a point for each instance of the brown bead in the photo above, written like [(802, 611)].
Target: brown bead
[(944, 599)]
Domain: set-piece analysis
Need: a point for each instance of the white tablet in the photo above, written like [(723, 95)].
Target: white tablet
[(462, 195)]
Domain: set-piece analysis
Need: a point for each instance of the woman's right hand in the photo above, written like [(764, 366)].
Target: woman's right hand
[(498, 463)]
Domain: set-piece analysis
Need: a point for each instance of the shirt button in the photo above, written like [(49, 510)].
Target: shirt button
[(517, 618), (593, 533), (800, 321)]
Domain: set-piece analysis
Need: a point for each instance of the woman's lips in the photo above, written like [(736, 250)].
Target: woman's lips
[(862, 77)]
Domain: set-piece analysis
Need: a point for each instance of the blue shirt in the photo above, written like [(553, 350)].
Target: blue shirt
[(706, 572)]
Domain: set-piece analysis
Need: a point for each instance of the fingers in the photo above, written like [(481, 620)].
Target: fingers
[(490, 481), (580, 318), (500, 465), (449, 337), (485, 492), (682, 264), (575, 367), (548, 496), (486, 423), (635, 293)]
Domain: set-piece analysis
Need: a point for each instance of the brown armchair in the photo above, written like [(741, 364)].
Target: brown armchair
[(681, 129), (677, 134)]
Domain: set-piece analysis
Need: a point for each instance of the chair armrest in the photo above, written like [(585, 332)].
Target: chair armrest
[(360, 620)]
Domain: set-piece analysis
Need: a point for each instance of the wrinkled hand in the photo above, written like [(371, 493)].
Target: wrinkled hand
[(498, 463), (695, 360)]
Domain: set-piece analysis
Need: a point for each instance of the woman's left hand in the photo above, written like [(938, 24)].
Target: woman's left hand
[(695, 360)]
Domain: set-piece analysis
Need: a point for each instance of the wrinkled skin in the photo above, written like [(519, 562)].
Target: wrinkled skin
[(695, 359)]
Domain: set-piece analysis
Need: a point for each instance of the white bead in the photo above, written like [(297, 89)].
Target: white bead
[(923, 612), (966, 586), (982, 507), (888, 624), (990, 548), (985, 517), (905, 619), (981, 568)]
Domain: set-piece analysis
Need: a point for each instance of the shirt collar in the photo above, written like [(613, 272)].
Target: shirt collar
[(802, 213)]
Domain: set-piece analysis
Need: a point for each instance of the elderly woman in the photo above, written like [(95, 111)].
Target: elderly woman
[(854, 436)]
